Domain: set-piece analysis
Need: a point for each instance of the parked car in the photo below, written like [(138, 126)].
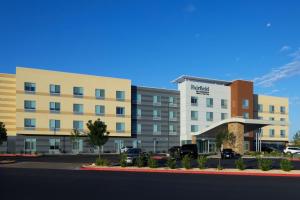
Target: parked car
[(132, 154), (189, 149), (227, 153), (269, 149), (125, 149), (174, 152), (292, 150)]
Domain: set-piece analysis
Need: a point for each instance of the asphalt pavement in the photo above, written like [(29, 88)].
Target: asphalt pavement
[(75, 184)]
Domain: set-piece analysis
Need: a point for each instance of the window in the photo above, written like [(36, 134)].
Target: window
[(271, 118), (30, 145), (77, 145), (172, 115), (271, 132), (29, 87), (282, 109), (209, 116), (156, 114), (224, 116), (139, 113), (54, 89), (99, 110), (194, 128), (172, 101), (99, 93), (271, 109), (54, 124), (78, 108), (260, 108), (194, 115), (54, 106), (138, 98), (157, 100), (224, 103), (282, 119), (139, 128), (120, 127), (54, 144), (172, 129), (209, 102), (120, 111), (282, 133), (29, 123), (245, 103), (246, 115), (120, 95), (78, 91), (78, 125), (194, 101), (156, 128), (29, 105)]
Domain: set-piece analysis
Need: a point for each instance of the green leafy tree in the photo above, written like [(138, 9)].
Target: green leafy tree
[(296, 138), (97, 135), (3, 133), (222, 137)]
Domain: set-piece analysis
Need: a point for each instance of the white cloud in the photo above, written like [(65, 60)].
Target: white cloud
[(268, 25), (190, 8), (285, 48), (288, 70)]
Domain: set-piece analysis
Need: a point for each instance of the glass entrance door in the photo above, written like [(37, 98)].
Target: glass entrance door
[(30, 145), (118, 145)]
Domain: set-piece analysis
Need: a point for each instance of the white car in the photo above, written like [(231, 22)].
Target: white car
[(125, 149), (292, 150)]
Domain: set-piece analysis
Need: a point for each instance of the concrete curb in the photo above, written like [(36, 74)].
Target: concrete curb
[(19, 155), (179, 171)]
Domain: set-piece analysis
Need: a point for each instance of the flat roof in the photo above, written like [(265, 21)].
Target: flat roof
[(183, 78)]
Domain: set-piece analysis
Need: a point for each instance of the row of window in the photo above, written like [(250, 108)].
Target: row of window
[(156, 113), (30, 105), (209, 115), (156, 100), (272, 133), (272, 119), (54, 144), (156, 128), (55, 124), (77, 91), (282, 109), (209, 102)]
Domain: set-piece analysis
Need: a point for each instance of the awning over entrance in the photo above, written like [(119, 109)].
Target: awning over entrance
[(249, 125)]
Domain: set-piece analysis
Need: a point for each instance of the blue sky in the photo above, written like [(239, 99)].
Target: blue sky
[(152, 42)]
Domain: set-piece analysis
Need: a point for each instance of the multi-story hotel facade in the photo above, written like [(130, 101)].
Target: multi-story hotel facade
[(40, 108)]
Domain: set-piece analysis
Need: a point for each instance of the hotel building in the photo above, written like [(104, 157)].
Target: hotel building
[(40, 108)]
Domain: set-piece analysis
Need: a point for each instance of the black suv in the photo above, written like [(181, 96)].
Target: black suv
[(227, 153), (189, 149), (175, 152)]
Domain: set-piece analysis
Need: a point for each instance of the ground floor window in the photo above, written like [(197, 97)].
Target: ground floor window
[(54, 144), (136, 143), (77, 146), (30, 145)]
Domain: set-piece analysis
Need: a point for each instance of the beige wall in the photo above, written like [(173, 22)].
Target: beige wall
[(67, 81), (277, 102), (8, 102)]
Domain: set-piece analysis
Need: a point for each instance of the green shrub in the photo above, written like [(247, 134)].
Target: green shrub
[(171, 163), (202, 160), (264, 164), (186, 162), (102, 162), (219, 167), (286, 165), (123, 158), (140, 161), (240, 164), (152, 163)]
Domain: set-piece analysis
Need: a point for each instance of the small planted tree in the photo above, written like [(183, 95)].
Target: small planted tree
[(3, 133), (221, 138), (97, 134), (186, 162), (202, 160)]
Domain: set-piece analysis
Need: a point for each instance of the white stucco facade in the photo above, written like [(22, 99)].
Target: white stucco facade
[(202, 90)]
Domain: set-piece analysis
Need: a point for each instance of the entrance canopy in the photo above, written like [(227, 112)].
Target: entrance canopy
[(249, 125)]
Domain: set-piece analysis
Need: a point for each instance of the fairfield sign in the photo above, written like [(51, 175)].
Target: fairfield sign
[(200, 89)]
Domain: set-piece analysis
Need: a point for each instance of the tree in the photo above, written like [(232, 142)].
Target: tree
[(222, 137), (3, 133), (296, 138), (97, 134)]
